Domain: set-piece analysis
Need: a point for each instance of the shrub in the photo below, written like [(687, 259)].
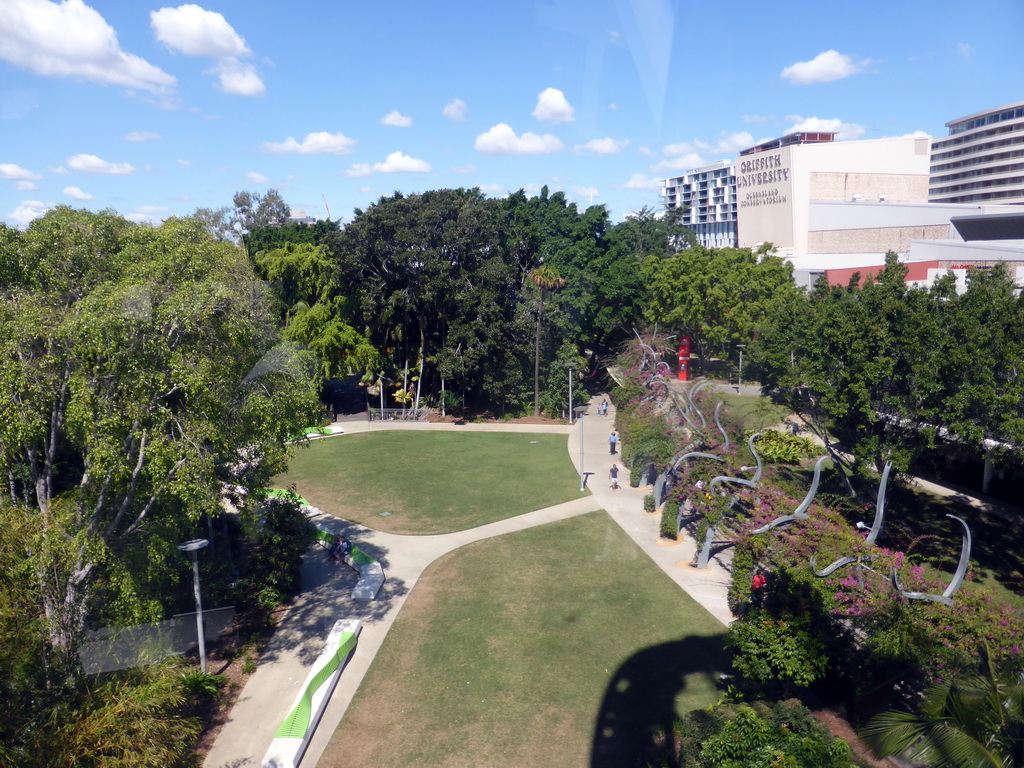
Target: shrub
[(669, 527), (779, 447), (755, 735), (649, 503), (776, 651), (203, 685), (275, 563)]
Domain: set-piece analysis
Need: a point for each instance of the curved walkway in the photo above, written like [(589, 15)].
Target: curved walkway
[(268, 693)]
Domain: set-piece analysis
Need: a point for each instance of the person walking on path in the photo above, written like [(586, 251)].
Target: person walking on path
[(604, 407), (613, 475), (613, 441)]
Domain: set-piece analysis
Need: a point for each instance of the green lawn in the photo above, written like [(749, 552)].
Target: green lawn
[(433, 482), (559, 645), (753, 411)]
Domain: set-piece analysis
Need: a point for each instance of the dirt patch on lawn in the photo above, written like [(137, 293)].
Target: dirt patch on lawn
[(840, 728)]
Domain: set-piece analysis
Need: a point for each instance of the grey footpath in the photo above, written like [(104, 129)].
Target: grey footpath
[(269, 692)]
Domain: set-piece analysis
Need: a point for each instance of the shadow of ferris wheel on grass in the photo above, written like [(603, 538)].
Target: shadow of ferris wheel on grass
[(639, 704)]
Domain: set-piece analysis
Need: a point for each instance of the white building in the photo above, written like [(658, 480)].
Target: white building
[(982, 160), (708, 198), (778, 182)]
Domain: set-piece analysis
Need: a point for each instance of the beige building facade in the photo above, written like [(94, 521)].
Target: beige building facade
[(777, 185)]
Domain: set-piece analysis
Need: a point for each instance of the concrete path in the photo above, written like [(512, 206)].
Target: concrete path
[(269, 692)]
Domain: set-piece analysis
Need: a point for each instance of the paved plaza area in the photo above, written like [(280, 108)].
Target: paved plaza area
[(269, 692)]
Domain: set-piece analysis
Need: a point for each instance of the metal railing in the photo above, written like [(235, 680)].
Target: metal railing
[(112, 648), (398, 414)]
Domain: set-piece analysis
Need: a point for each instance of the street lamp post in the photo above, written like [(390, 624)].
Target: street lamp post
[(581, 411), (194, 546), (740, 347)]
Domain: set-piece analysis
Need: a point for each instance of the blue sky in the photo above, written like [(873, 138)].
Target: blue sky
[(154, 110)]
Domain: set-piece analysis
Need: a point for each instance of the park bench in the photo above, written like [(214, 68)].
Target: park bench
[(293, 735), (371, 573)]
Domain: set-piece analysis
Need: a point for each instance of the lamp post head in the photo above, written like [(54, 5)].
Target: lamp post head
[(580, 410), (194, 545)]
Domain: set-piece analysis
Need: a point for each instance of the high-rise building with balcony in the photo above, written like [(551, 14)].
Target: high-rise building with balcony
[(707, 197), (982, 160)]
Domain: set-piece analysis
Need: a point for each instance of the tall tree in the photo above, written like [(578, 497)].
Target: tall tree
[(142, 377), (717, 296), (253, 210), (432, 282), (546, 279)]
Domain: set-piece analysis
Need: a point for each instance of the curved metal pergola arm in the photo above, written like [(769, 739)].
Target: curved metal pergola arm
[(684, 412), (876, 525), (842, 562), (946, 598), (718, 423), (735, 480), (800, 513), (757, 456), (691, 394), (752, 482), (876, 528), (694, 455)]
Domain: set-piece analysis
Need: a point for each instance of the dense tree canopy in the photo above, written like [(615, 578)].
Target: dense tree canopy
[(142, 375), (888, 370), (719, 297)]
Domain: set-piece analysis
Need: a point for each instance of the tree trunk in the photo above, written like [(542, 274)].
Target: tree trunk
[(419, 381), (536, 358)]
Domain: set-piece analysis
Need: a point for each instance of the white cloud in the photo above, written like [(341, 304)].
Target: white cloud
[(193, 31), (605, 146), (14, 172), (93, 164), (502, 140), (916, 135), (320, 143), (727, 144), (256, 178), (758, 118), (843, 131), (468, 168), (148, 214), (680, 163), (964, 49), (587, 193), (238, 78), (396, 119), (493, 190), (76, 194), (70, 39), (646, 151), (455, 110), (184, 163), (642, 181), (26, 186), (366, 190), (396, 162), (29, 210), (141, 136), (60, 170), (823, 68), (553, 107)]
